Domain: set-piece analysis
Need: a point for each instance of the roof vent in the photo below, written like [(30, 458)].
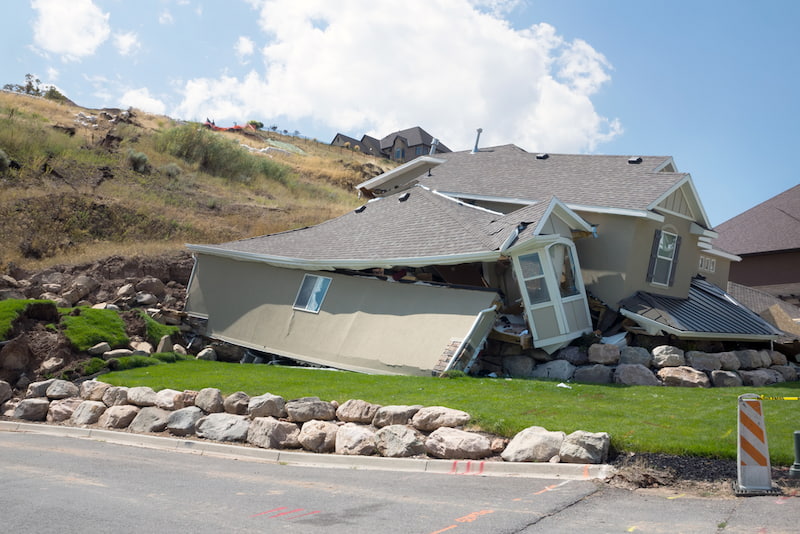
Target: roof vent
[(403, 197), (542, 156), (360, 208), (434, 143), (474, 150), (635, 160)]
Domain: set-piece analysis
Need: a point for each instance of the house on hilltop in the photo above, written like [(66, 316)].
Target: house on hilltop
[(461, 247), (401, 146)]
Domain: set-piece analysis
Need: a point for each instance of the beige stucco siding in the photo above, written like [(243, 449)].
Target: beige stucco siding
[(364, 324)]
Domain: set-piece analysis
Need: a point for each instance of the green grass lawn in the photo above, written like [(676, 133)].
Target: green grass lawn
[(693, 421)]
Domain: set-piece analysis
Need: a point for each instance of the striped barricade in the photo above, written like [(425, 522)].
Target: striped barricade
[(752, 459)]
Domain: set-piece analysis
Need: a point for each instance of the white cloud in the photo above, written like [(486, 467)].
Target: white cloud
[(377, 69), (244, 48), (141, 99), (165, 18), (127, 43), (72, 30), (52, 74)]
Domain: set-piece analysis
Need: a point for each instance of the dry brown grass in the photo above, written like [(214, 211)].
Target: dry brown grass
[(194, 206)]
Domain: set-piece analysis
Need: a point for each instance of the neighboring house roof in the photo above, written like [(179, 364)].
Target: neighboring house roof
[(416, 228), (414, 137), (760, 301), (772, 226), (584, 182), (708, 312)]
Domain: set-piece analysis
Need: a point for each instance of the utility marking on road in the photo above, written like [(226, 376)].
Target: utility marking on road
[(585, 472), (468, 468), (633, 529), (676, 496), (281, 514), (269, 511), (445, 529), (551, 488), (469, 518)]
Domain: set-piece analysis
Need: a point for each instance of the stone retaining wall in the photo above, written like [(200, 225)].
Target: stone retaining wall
[(355, 427)]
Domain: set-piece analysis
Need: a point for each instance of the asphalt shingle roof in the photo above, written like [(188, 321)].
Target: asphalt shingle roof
[(425, 224), (585, 180), (772, 226)]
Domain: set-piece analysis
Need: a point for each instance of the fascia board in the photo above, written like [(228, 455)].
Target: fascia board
[(696, 229), (650, 325), (722, 254), (417, 165), (664, 164), (562, 211), (489, 198), (645, 214), (355, 264)]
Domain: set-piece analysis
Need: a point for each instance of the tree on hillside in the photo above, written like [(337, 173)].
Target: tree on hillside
[(32, 86), (256, 124)]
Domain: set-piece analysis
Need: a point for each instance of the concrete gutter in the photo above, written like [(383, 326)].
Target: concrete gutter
[(561, 471)]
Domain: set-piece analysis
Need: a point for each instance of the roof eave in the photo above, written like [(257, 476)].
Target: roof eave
[(407, 171)]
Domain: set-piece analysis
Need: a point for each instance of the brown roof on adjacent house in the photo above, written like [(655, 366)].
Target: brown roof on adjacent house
[(396, 229), (509, 172), (773, 225), (414, 136)]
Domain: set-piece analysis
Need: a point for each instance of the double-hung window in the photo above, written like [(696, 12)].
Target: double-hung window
[(533, 277), (312, 292), (663, 258)]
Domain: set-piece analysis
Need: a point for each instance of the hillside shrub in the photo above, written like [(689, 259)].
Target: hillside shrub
[(216, 155), (93, 366), (138, 162), (156, 330), (5, 161)]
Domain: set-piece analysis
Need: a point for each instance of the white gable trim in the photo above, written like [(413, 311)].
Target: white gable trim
[(619, 211), (402, 175), (686, 180)]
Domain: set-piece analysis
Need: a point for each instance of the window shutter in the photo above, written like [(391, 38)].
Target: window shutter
[(674, 261), (653, 254)]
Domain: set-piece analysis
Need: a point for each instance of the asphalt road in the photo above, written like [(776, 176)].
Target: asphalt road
[(62, 484)]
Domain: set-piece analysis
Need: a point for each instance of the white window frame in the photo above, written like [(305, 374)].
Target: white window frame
[(311, 293), (671, 259)]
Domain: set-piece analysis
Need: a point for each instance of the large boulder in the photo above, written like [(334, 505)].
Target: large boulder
[(728, 361), (518, 365), (555, 370), (684, 376), (395, 415), (118, 416), (635, 374), (141, 396), (607, 354), (5, 391), (355, 440), (432, 417), (634, 355), (533, 444), (593, 374), (583, 447), (310, 408), (788, 372), (169, 399), (725, 379), (88, 412), (761, 377), (15, 357), (38, 389), (446, 442), (182, 422), (223, 427), (210, 400), (703, 361), (357, 411), (236, 403), (62, 389), (318, 436), (270, 433), (266, 405), (93, 390), (150, 419), (208, 354), (748, 359), (777, 358), (668, 356), (574, 355), (115, 396), (399, 441), (62, 410)]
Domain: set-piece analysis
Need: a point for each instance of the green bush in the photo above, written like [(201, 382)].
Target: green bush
[(5, 161), (86, 327), (138, 162), (171, 170), (216, 155)]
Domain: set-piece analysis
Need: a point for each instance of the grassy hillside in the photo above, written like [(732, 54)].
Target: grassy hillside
[(79, 184)]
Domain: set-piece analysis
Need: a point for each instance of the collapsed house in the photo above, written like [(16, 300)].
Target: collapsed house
[(493, 243)]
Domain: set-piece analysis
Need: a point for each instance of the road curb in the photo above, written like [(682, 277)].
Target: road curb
[(308, 459)]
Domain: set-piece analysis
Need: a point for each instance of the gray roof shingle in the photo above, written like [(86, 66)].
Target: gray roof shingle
[(578, 180)]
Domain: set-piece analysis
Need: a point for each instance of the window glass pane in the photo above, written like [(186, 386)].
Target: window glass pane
[(565, 270), (666, 247), (531, 266), (661, 271), (537, 290), (312, 292)]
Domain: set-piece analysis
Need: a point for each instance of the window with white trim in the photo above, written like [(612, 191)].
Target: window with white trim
[(533, 277), (312, 292), (564, 265), (708, 264), (663, 258)]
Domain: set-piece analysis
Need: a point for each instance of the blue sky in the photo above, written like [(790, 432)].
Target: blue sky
[(712, 83)]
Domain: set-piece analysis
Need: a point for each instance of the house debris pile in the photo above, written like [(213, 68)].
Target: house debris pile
[(355, 427)]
